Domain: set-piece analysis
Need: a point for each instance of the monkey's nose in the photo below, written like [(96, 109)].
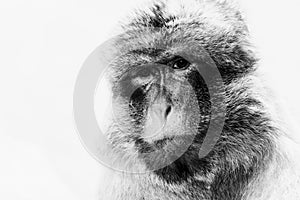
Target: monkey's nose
[(157, 117)]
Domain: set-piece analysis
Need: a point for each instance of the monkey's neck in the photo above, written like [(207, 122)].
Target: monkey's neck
[(281, 178), (278, 180)]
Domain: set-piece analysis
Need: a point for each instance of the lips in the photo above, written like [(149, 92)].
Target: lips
[(146, 147), (163, 142)]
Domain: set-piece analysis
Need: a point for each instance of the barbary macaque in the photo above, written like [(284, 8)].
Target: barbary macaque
[(252, 159)]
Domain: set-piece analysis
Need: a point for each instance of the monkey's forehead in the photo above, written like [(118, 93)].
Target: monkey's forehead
[(215, 15), (170, 24)]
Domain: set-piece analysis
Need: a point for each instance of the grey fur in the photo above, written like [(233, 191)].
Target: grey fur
[(247, 146)]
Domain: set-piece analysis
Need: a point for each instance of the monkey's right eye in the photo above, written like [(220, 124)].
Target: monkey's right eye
[(180, 63)]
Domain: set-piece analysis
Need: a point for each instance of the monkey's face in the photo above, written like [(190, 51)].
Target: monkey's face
[(161, 106)]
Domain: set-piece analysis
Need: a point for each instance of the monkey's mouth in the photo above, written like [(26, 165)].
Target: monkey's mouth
[(149, 147), (162, 142), (162, 153)]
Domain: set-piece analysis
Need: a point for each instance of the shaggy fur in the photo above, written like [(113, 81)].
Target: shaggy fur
[(249, 157)]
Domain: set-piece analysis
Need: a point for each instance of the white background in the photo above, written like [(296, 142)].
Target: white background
[(42, 46)]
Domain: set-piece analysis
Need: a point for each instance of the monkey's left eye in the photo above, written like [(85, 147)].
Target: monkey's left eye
[(180, 63)]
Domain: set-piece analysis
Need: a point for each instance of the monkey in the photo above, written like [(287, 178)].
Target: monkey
[(157, 89)]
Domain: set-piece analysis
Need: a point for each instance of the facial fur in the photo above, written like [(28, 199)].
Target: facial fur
[(179, 101)]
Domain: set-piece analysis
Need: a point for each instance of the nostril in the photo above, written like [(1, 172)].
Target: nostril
[(168, 110)]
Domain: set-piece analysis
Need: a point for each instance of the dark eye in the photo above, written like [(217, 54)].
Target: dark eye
[(180, 63)]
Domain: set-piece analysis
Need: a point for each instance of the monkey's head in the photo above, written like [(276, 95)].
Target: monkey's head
[(162, 100)]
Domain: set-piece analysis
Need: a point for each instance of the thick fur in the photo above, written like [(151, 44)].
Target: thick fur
[(251, 160)]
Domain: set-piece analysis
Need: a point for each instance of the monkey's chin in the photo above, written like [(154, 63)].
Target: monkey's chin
[(167, 157)]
